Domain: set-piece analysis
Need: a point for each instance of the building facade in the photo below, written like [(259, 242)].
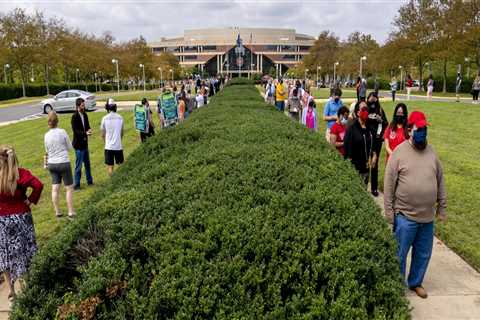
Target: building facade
[(237, 51)]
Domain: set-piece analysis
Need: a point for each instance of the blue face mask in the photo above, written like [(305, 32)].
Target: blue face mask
[(420, 138)]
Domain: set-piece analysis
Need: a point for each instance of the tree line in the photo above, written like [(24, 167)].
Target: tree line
[(439, 37), (36, 49)]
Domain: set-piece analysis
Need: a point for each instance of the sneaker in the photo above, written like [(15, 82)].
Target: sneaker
[(420, 291), (76, 188), (72, 215), (375, 193), (58, 214)]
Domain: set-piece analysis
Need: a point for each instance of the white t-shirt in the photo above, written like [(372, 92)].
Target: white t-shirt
[(200, 100), (57, 145), (112, 125)]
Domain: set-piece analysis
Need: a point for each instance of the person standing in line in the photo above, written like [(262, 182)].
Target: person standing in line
[(476, 88), (377, 123), (393, 88), (294, 104), (112, 133), (81, 131), (309, 116), (150, 128), (414, 195), (181, 107), (330, 111), (17, 233), (281, 95), (397, 131), (430, 87), (458, 86), (357, 87), (409, 86), (56, 160), (362, 93), (337, 132), (358, 142)]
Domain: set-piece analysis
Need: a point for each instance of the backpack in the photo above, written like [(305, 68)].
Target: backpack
[(140, 113)]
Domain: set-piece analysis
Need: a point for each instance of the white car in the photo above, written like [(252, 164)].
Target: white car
[(65, 101)]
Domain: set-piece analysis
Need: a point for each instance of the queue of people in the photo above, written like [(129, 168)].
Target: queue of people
[(414, 190)]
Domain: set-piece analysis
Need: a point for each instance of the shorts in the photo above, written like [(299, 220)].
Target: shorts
[(112, 156), (61, 171)]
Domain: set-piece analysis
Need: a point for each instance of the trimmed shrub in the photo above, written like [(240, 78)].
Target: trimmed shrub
[(237, 213)]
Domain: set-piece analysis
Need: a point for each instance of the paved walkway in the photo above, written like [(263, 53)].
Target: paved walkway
[(453, 287)]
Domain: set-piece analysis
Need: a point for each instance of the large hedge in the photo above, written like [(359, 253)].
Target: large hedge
[(238, 213)]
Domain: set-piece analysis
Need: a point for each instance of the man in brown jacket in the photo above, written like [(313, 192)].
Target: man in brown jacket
[(414, 194)]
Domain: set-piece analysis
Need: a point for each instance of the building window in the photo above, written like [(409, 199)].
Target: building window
[(288, 48), (304, 48), (190, 49), (271, 48), (288, 57), (209, 48), (172, 49), (158, 49), (190, 57)]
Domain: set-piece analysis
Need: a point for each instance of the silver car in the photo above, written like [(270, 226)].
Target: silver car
[(65, 101)]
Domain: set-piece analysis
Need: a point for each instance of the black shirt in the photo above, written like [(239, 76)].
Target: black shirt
[(80, 128), (358, 146)]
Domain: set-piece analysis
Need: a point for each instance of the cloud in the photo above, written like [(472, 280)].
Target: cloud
[(128, 19)]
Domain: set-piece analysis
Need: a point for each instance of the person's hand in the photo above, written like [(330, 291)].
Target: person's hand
[(27, 202), (442, 218), (89, 132)]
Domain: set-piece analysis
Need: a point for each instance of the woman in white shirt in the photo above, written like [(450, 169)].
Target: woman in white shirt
[(57, 161)]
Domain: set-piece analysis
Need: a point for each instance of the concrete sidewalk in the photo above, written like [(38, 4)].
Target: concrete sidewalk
[(453, 286)]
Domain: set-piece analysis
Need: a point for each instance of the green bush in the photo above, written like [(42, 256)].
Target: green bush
[(238, 213), (466, 86)]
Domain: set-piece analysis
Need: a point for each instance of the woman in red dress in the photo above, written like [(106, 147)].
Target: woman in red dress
[(17, 234), (397, 131)]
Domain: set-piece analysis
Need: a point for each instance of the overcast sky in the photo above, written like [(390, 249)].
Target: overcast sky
[(156, 19)]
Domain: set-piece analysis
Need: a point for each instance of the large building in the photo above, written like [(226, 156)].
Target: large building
[(237, 50)]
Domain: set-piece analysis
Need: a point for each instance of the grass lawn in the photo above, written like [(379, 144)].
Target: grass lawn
[(27, 138), (452, 134)]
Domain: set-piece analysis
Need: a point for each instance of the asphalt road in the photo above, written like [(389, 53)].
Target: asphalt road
[(20, 112)]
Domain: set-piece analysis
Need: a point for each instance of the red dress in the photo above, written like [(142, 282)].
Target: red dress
[(339, 130)]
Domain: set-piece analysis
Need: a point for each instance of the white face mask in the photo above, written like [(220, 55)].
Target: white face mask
[(344, 120)]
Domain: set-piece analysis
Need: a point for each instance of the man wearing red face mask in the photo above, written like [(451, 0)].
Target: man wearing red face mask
[(358, 142)]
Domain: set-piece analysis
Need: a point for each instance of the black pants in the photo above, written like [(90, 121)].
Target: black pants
[(393, 95), (374, 169), (475, 95), (144, 136)]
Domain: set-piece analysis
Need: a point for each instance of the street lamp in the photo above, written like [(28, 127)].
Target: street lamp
[(76, 73), (161, 76), (467, 60), (364, 58), (5, 67), (171, 70), (335, 72), (401, 77), (95, 78), (306, 71), (318, 68), (141, 65), (429, 64), (115, 61)]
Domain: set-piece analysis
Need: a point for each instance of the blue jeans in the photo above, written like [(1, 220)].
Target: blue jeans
[(280, 105), (419, 237), (82, 157)]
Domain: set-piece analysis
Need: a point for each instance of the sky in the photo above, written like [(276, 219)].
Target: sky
[(127, 19)]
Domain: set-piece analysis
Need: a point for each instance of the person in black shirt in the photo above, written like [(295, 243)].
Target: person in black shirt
[(358, 142), (377, 123), (81, 131)]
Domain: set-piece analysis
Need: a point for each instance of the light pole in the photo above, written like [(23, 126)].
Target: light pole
[(467, 60), (115, 61), (95, 78), (401, 77), (318, 68), (141, 65), (305, 77), (5, 67), (364, 58), (171, 70), (161, 76), (76, 73), (335, 72)]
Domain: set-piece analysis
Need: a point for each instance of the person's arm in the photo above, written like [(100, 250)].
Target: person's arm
[(326, 110), (67, 142), (389, 185), (30, 181), (441, 193), (102, 129)]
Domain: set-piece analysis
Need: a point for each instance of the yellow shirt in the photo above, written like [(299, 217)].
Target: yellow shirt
[(280, 92)]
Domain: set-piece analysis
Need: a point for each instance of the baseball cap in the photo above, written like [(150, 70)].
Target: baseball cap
[(110, 102), (418, 119)]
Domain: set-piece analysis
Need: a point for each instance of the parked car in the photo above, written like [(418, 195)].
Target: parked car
[(65, 101)]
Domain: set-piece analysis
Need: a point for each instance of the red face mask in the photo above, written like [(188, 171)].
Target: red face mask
[(363, 115)]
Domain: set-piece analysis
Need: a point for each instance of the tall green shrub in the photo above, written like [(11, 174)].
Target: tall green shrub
[(238, 213)]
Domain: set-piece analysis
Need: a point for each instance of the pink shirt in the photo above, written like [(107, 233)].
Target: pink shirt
[(310, 119)]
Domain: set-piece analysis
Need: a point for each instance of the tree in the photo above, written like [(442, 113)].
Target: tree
[(19, 33), (357, 46), (324, 53)]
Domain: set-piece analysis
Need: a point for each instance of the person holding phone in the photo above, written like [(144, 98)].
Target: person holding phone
[(81, 131)]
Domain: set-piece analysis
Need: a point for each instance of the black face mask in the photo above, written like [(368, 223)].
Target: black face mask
[(399, 119), (371, 105)]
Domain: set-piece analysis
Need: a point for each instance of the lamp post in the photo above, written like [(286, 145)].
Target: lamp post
[(364, 58), (95, 79), (401, 77), (76, 73), (305, 77), (318, 68), (161, 76), (171, 70), (5, 67), (115, 61), (467, 60), (335, 72), (141, 65)]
